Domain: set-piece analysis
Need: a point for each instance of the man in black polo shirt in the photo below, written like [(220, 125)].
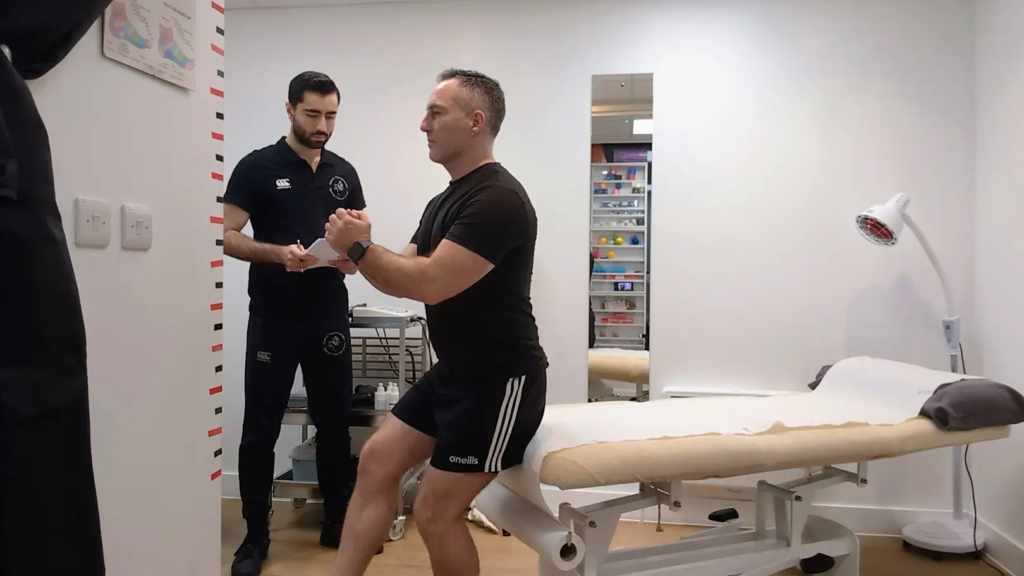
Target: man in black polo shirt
[(471, 262), (298, 309)]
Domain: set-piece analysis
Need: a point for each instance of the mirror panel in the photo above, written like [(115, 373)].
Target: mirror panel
[(619, 208)]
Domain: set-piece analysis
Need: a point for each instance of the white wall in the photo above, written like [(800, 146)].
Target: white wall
[(121, 135), (999, 253), (777, 123)]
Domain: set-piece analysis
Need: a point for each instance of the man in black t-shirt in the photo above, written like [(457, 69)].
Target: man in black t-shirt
[(471, 262), (298, 307)]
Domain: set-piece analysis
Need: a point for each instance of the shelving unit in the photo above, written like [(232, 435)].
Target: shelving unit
[(619, 285)]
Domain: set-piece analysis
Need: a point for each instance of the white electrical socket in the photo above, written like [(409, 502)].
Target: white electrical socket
[(92, 222), (136, 227)]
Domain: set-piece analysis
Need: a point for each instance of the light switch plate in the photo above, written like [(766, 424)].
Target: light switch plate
[(136, 227), (92, 222)]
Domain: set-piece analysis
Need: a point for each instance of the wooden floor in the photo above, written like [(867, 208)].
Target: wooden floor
[(295, 549)]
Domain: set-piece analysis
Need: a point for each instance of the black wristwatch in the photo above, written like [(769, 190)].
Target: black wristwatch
[(357, 250)]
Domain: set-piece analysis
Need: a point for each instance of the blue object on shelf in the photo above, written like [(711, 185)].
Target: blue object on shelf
[(303, 459)]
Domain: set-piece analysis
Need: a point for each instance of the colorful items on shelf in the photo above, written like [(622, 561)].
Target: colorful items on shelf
[(635, 241), (613, 174), (621, 305), (617, 318), (602, 189), (620, 223), (602, 240), (619, 204)]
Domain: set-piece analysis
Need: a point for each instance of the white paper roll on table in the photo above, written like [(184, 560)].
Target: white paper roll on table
[(536, 528)]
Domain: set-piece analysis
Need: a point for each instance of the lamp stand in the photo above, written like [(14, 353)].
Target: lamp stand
[(955, 535)]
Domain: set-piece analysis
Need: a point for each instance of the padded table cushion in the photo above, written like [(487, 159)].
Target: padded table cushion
[(620, 365), (725, 456)]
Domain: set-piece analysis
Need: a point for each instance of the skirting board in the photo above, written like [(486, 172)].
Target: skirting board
[(860, 519)]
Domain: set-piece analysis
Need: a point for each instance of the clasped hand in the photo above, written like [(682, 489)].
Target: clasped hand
[(343, 229)]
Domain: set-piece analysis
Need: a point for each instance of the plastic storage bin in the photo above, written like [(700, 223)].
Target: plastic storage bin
[(304, 461)]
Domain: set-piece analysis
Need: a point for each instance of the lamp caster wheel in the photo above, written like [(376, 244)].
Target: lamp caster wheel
[(397, 530), (298, 503), (506, 533), (817, 564)]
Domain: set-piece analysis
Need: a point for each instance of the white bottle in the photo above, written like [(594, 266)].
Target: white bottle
[(380, 398), (392, 395)]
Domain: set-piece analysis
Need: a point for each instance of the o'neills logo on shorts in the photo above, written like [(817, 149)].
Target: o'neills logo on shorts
[(468, 461)]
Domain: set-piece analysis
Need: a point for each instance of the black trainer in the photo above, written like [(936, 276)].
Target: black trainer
[(330, 533), (250, 556)]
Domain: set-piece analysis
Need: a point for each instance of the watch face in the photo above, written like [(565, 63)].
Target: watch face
[(356, 251)]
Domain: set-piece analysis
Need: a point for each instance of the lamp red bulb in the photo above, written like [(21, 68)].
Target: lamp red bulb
[(875, 230)]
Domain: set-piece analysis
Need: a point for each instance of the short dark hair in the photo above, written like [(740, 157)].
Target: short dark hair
[(483, 87), (316, 82)]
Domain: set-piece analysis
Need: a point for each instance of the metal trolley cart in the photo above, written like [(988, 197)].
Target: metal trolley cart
[(376, 357)]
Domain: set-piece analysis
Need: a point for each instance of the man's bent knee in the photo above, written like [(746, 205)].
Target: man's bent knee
[(390, 452), (443, 499), (378, 462), (434, 517)]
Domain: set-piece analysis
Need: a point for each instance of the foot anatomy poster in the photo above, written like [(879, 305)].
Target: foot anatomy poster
[(157, 37)]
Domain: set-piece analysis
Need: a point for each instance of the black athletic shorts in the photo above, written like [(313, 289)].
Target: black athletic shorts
[(481, 424)]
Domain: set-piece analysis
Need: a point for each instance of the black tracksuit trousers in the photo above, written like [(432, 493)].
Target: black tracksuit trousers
[(318, 342)]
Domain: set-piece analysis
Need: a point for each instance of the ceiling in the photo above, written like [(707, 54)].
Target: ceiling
[(243, 4), (617, 101), (622, 89)]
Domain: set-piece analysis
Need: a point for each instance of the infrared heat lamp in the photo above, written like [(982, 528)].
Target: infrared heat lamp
[(882, 225)]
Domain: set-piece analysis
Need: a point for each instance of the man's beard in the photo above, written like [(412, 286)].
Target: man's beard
[(306, 138)]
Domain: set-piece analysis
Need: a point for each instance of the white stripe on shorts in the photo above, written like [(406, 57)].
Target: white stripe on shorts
[(506, 420)]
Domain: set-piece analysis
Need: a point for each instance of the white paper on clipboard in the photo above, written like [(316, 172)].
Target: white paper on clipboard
[(323, 253)]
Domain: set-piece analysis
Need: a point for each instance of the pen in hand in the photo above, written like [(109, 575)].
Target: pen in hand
[(302, 263)]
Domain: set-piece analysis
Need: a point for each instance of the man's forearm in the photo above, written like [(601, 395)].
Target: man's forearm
[(240, 246), (376, 285), (397, 275)]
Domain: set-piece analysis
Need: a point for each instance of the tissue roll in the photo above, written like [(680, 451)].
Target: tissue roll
[(536, 528)]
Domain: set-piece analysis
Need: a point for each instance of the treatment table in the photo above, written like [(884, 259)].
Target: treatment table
[(620, 364), (864, 409)]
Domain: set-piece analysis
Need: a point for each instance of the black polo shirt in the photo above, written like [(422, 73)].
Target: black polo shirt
[(288, 201), (487, 329)]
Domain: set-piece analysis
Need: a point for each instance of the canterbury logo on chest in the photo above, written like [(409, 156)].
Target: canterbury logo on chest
[(283, 183)]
